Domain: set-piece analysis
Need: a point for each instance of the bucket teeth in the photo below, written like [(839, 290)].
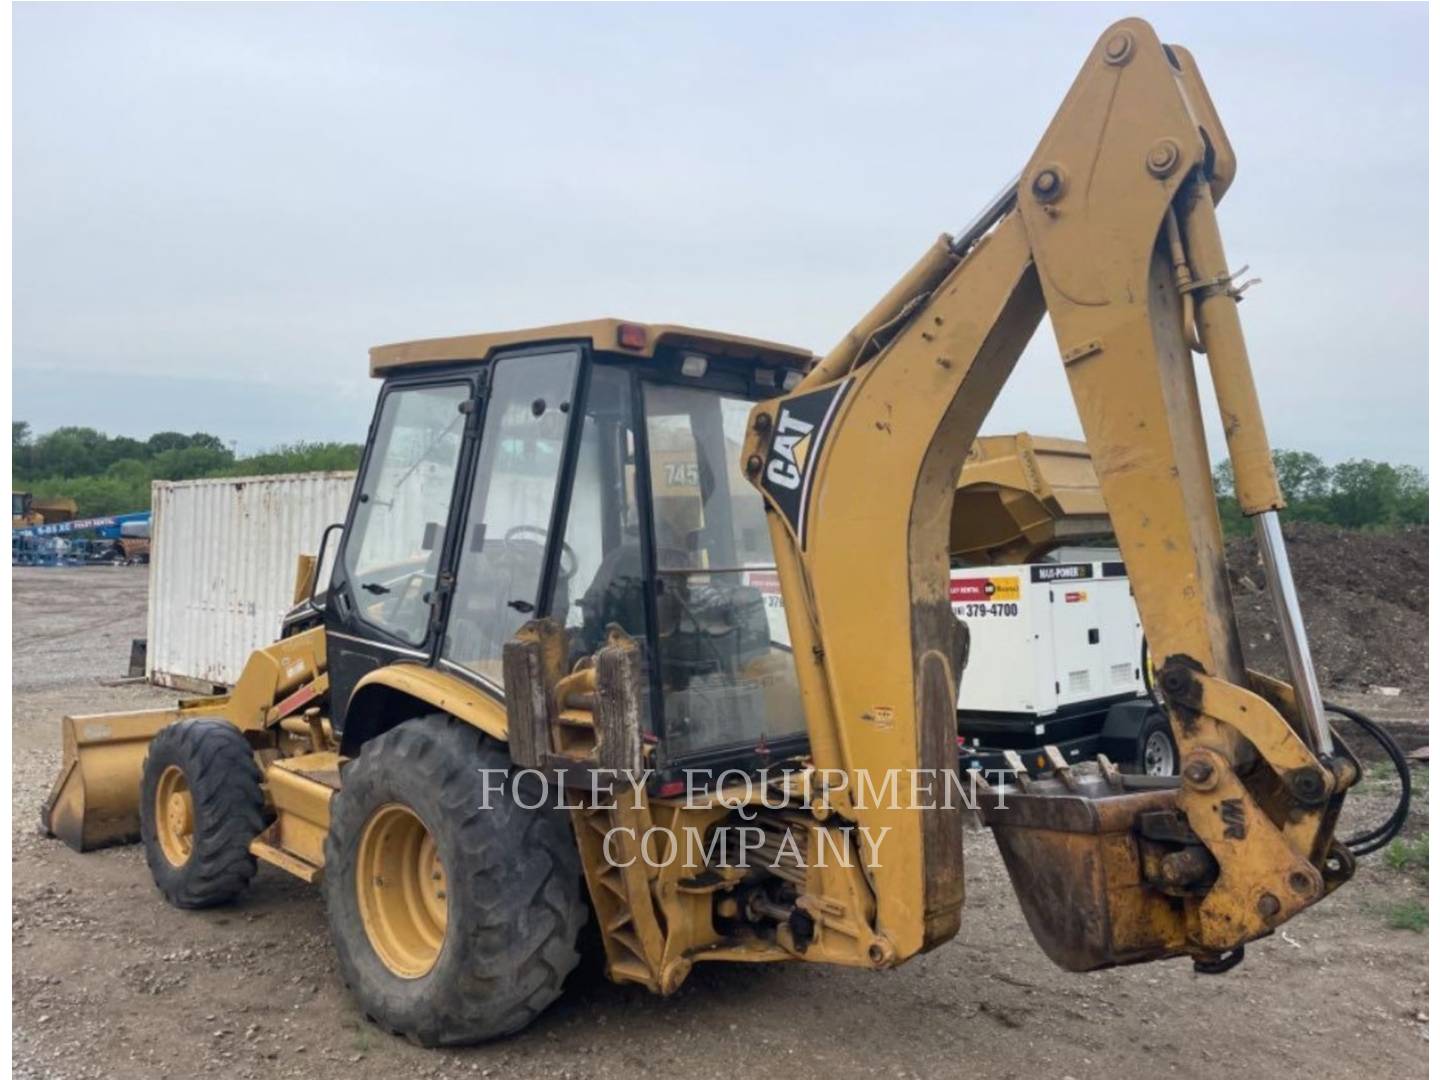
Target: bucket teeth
[(1016, 764), (1062, 767), (1110, 772)]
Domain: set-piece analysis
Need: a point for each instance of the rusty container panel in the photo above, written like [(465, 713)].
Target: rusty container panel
[(222, 567)]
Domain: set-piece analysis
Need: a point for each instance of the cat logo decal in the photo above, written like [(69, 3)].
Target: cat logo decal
[(800, 429)]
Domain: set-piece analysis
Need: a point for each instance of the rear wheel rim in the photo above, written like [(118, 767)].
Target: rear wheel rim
[(401, 887), (174, 816), (1159, 756)]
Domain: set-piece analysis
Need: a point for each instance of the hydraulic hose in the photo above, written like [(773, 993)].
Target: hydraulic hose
[(1371, 841)]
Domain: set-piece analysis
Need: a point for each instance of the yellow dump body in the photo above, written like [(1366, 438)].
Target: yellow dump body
[(1021, 495)]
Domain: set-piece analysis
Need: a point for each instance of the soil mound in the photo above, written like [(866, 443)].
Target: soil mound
[(1365, 596)]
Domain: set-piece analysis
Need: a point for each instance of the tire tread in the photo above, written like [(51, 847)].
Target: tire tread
[(224, 782), (521, 891)]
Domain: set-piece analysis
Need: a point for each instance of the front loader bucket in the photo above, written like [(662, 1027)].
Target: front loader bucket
[(95, 801)]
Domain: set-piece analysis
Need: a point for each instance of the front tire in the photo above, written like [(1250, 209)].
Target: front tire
[(200, 806), (454, 920)]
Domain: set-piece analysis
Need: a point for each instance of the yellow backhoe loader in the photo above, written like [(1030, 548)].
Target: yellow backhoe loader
[(542, 685), (26, 510)]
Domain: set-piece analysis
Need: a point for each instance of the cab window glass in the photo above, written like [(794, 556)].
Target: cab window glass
[(502, 558), (602, 535), (392, 555), (726, 673)]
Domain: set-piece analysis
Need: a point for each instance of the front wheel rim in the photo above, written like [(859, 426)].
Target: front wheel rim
[(174, 816), (1159, 755), (401, 887)]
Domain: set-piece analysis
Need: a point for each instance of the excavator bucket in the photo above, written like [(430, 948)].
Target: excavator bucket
[(1084, 870), (95, 801)]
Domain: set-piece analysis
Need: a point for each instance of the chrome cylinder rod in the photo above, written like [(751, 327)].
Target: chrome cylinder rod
[(985, 220), (1281, 586)]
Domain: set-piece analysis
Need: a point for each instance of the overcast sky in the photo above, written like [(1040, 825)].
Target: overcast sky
[(218, 209)]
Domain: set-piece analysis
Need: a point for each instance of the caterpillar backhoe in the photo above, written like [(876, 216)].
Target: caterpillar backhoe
[(542, 682)]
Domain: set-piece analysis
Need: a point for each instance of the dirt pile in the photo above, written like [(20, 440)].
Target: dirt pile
[(1365, 596)]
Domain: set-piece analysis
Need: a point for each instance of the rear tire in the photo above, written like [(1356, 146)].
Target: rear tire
[(453, 921), (200, 806), (1155, 750)]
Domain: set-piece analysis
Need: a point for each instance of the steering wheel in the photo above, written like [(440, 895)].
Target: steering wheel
[(513, 534)]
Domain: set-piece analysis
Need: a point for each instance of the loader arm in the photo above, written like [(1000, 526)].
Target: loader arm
[(1111, 230)]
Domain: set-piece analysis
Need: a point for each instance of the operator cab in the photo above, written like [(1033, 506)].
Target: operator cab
[(590, 473)]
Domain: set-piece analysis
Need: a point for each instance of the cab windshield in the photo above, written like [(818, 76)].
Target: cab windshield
[(727, 679)]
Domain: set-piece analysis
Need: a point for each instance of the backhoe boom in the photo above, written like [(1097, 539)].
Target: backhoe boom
[(1111, 231)]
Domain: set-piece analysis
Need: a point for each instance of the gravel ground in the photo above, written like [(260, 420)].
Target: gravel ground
[(109, 981)]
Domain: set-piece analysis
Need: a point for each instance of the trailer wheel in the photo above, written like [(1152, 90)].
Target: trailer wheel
[(1155, 750), (200, 806), (454, 913)]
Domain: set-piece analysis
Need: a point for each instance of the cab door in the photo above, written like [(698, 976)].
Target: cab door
[(509, 563), (393, 570)]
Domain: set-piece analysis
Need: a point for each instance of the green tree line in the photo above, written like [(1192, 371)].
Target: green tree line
[(111, 475), (1355, 494)]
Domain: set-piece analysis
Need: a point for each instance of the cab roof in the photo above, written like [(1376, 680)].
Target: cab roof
[(604, 335)]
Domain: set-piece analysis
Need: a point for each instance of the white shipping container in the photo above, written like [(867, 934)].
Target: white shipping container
[(222, 567)]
